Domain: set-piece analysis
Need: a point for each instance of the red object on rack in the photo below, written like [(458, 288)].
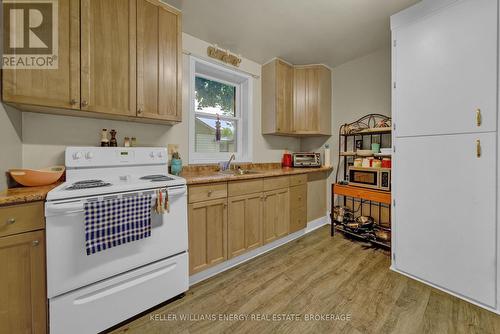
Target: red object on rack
[(287, 160)]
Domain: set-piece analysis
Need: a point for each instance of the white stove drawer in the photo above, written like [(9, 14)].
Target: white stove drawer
[(99, 306)]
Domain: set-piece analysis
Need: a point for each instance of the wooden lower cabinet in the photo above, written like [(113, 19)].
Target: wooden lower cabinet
[(23, 297), (276, 214), (207, 234), (228, 219), (298, 207), (244, 223)]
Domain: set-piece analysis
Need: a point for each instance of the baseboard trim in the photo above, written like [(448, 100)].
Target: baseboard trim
[(311, 226), (483, 306)]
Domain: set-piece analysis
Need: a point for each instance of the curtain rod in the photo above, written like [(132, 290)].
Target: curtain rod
[(187, 53)]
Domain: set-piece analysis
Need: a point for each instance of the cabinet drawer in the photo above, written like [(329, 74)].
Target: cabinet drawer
[(298, 219), (296, 180), (21, 218), (237, 188), (298, 196), (279, 182), (207, 192)]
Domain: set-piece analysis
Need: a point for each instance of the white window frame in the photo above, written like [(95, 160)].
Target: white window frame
[(243, 106)]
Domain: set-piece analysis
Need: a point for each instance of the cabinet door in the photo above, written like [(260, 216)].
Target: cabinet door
[(59, 88), (444, 223), (298, 207), (284, 97), (306, 97), (108, 53), (207, 234), (23, 301), (446, 69), (276, 215), (244, 224), (159, 61)]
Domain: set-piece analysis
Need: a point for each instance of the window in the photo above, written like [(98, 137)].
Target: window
[(219, 121)]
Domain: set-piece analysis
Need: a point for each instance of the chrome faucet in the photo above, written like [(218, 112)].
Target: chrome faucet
[(227, 165)]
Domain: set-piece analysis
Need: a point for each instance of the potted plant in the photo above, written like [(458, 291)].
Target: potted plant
[(176, 164)]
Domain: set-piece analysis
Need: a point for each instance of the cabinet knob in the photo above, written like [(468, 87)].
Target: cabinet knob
[(140, 111), (209, 193), (35, 243), (84, 103), (73, 102), (11, 221)]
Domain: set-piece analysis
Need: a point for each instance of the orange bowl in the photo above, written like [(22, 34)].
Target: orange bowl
[(37, 177)]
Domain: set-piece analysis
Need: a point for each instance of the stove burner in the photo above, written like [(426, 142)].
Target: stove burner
[(157, 178), (87, 184)]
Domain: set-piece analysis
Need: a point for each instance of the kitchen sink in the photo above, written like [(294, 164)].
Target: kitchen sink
[(239, 172)]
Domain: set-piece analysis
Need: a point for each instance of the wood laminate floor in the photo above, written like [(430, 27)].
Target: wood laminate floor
[(316, 275)]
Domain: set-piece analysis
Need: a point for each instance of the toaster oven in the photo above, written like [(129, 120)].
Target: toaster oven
[(374, 178), (306, 160)]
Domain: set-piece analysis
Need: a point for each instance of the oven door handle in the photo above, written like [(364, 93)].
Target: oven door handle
[(52, 209)]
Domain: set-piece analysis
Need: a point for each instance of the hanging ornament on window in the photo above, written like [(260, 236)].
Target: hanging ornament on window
[(217, 129)]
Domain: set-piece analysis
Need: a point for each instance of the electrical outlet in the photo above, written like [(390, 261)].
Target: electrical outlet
[(173, 148)]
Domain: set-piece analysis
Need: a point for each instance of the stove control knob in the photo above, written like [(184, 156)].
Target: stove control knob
[(89, 155), (159, 154), (77, 155), (152, 155)]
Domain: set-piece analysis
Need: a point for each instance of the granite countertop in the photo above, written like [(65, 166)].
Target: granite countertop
[(25, 194), (209, 176)]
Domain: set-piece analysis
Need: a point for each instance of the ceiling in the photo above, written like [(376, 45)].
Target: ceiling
[(331, 32)]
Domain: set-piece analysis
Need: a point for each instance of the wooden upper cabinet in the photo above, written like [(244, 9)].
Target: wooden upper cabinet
[(159, 61), (23, 301), (58, 88), (312, 100), (108, 53), (296, 100), (277, 97)]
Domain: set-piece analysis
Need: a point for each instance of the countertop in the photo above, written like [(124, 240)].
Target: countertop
[(192, 175), (25, 194), (209, 176)]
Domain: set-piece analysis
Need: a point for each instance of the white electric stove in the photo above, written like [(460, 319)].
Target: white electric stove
[(90, 293)]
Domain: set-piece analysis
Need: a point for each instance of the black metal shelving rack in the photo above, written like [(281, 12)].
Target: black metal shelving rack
[(366, 129)]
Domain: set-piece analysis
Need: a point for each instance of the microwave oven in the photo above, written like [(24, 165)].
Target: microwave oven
[(373, 178), (306, 159)]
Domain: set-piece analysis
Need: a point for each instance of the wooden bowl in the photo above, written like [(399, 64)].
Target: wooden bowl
[(37, 177)]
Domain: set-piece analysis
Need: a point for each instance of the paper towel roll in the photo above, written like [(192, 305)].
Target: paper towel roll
[(327, 162)]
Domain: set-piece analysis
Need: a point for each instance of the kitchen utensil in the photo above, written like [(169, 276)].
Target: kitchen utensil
[(365, 222), (37, 177), (383, 235), (364, 153)]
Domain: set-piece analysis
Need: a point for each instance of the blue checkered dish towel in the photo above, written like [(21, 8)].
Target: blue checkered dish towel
[(118, 221)]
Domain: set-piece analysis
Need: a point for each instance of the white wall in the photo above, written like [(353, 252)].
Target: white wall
[(10, 141), (46, 136), (360, 87)]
